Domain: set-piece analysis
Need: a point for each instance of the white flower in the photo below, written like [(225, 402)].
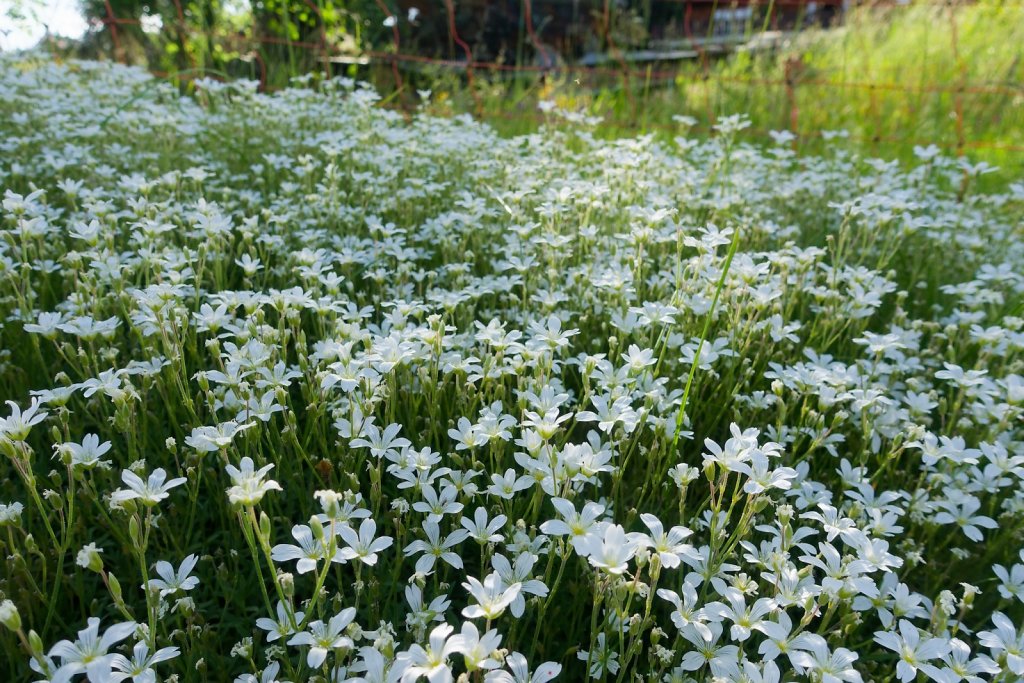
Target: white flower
[(779, 639), (47, 325), (520, 573), (722, 659), (832, 666), (466, 435), (10, 513), (419, 614), (476, 648), (88, 653), (269, 675), (434, 548), (248, 485), (912, 649), (150, 492), (550, 333), (374, 667), (172, 581), (363, 546), (19, 424), (686, 614), (1005, 640), (875, 555), (581, 526), (835, 524), (612, 550), (88, 557), (762, 477), (492, 596), (87, 454), (609, 413), (1011, 583), (437, 505), (431, 661), (282, 627), (668, 545), (324, 638), (87, 328), (960, 666), (140, 667), (961, 512), (520, 672), (737, 449), (744, 618), (212, 439), (308, 552), (506, 485), (381, 443), (602, 658), (481, 530)]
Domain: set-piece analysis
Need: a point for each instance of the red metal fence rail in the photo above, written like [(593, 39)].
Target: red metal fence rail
[(618, 67)]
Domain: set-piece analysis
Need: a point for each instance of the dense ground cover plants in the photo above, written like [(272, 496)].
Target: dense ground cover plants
[(303, 390)]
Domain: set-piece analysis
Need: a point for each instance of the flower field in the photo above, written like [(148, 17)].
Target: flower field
[(300, 388)]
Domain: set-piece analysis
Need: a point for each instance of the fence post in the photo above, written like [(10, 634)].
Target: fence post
[(958, 91), (542, 52), (396, 36), (112, 23), (958, 97), (623, 65), (793, 68), (453, 34)]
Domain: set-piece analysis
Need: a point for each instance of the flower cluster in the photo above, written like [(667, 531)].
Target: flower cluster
[(302, 390)]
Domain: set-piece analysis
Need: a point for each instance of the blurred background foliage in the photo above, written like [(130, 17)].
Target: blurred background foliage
[(892, 75)]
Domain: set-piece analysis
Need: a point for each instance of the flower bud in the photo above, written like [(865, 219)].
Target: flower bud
[(35, 643), (287, 581), (317, 527), (9, 616), (115, 589), (30, 544), (133, 531), (784, 513), (709, 471)]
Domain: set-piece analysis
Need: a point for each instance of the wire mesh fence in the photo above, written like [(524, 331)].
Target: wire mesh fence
[(666, 55)]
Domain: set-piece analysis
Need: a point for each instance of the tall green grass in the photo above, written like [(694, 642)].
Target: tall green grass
[(933, 72), (893, 78)]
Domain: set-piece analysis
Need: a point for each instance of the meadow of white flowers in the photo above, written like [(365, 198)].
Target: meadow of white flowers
[(302, 390)]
